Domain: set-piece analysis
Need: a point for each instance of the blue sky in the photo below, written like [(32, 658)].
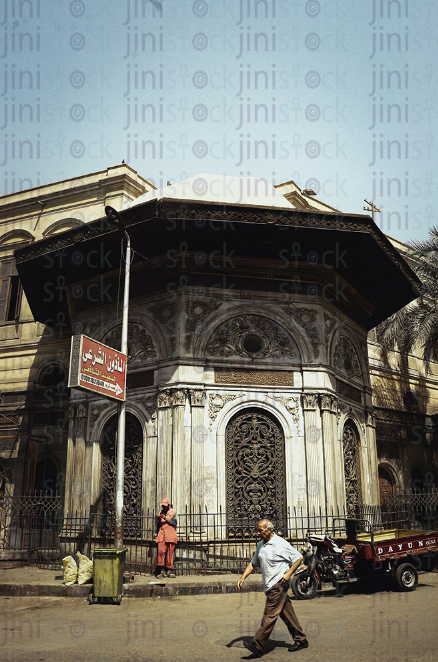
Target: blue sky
[(338, 96)]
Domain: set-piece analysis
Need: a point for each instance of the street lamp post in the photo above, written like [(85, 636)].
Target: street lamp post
[(114, 216)]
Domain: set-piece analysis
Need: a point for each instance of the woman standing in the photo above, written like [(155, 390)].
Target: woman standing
[(166, 540)]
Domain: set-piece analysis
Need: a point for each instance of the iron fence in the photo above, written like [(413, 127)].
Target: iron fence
[(206, 542)]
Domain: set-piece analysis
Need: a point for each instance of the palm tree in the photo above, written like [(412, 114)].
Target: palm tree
[(417, 323)]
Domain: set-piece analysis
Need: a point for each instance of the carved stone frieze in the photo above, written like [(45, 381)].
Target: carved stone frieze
[(197, 312), (345, 359), (163, 399), (310, 401), (197, 397), (253, 337), (307, 319), (218, 400), (254, 377), (178, 397), (291, 404)]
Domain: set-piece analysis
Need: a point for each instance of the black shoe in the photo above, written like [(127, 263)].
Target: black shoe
[(298, 645), (253, 648)]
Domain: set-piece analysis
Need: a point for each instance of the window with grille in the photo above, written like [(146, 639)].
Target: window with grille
[(10, 292)]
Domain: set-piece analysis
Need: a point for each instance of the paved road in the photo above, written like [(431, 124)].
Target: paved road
[(375, 627)]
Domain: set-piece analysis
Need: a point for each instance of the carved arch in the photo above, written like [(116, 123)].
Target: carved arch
[(230, 334), (15, 238), (345, 357), (145, 338)]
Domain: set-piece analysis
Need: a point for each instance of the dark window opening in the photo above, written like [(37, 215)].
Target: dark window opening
[(13, 311)]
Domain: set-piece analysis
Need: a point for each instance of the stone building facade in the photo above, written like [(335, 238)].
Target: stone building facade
[(249, 383)]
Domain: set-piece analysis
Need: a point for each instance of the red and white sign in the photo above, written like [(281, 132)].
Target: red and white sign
[(98, 368)]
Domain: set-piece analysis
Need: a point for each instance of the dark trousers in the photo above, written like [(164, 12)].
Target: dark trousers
[(278, 604)]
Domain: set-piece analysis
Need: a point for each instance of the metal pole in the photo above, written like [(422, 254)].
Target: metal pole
[(120, 476)]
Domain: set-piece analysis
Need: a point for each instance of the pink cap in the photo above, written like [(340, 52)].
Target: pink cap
[(165, 502)]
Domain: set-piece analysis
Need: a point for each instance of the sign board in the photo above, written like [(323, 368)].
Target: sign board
[(98, 368)]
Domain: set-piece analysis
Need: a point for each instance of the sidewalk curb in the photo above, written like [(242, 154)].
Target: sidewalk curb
[(129, 590)]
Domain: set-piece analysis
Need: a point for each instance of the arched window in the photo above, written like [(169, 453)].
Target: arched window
[(133, 467), (353, 489), (255, 471), (386, 485)]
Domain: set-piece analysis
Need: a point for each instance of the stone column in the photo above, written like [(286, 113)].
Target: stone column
[(69, 466), (181, 453), (164, 447), (199, 438), (79, 499), (329, 453), (373, 496), (314, 454)]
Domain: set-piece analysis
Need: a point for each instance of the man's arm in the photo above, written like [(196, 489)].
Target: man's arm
[(248, 570), (287, 575)]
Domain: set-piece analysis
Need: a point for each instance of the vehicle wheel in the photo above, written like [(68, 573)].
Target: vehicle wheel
[(406, 577), (90, 599), (119, 599), (304, 586)]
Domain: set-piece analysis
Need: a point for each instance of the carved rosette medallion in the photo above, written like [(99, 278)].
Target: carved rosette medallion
[(218, 400), (310, 401), (345, 359), (292, 405), (197, 397), (197, 312), (307, 319), (252, 337)]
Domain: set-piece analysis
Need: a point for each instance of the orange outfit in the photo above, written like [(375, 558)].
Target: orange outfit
[(166, 539)]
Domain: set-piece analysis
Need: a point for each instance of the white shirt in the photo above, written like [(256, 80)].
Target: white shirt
[(274, 558)]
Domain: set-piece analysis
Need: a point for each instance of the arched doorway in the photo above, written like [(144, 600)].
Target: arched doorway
[(353, 489), (133, 466), (386, 485), (255, 471)]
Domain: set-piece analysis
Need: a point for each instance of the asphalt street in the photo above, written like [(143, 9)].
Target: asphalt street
[(376, 626)]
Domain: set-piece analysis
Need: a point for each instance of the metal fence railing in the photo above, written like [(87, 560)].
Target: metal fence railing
[(207, 544)]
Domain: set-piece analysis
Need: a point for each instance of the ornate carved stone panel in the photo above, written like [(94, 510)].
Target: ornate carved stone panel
[(308, 320), (178, 397), (345, 359), (165, 314), (197, 397), (140, 343), (95, 412), (218, 400), (310, 401), (255, 472), (198, 311), (292, 405), (252, 337), (350, 443), (133, 468)]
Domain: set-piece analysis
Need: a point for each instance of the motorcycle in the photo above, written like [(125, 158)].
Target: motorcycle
[(324, 562)]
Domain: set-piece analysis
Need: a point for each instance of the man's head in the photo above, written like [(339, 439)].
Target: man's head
[(265, 529)]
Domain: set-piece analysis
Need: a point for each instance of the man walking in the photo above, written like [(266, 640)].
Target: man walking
[(278, 561)]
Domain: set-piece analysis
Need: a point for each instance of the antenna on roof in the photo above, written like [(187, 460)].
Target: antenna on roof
[(372, 208)]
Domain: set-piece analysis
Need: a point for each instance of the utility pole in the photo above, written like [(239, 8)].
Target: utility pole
[(372, 208), (115, 217)]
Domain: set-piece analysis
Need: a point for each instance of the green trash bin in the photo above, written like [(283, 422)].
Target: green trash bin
[(108, 570)]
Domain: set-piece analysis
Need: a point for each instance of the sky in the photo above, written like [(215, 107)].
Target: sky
[(338, 96)]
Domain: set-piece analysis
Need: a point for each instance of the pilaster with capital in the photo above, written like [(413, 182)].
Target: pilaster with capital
[(164, 446), (199, 436), (329, 450), (370, 431), (181, 452), (76, 498), (314, 452), (338, 456)]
